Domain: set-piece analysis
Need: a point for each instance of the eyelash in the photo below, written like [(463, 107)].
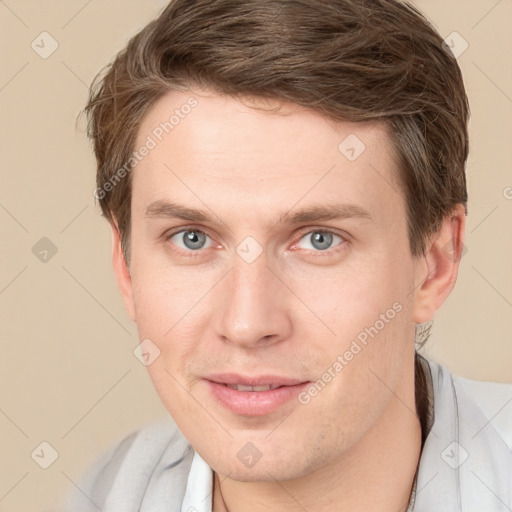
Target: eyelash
[(199, 253)]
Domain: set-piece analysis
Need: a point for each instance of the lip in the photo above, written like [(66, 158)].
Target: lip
[(260, 380), (254, 403)]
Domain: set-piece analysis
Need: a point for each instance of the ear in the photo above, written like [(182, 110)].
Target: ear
[(122, 272), (437, 270)]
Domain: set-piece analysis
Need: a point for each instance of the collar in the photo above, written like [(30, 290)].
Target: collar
[(465, 465)]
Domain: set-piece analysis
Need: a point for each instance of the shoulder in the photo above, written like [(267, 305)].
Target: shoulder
[(495, 401), (128, 467)]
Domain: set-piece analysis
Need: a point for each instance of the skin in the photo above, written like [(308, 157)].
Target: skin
[(292, 311)]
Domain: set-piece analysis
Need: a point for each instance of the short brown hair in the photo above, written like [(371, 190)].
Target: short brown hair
[(353, 60)]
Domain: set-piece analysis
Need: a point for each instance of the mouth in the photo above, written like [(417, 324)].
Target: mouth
[(254, 396), (241, 387)]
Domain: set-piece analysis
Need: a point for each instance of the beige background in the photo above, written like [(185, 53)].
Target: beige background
[(67, 373)]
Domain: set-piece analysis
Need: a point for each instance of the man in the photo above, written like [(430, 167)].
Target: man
[(286, 188)]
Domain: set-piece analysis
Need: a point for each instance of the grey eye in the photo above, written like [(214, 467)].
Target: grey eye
[(193, 239), (319, 240)]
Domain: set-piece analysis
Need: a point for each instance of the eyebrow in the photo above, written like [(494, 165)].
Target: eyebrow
[(337, 211)]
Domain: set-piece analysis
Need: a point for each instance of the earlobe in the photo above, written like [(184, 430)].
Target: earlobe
[(122, 272), (438, 269)]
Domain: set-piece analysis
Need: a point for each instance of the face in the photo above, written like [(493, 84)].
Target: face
[(270, 249)]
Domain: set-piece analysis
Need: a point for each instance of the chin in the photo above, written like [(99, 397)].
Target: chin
[(266, 469)]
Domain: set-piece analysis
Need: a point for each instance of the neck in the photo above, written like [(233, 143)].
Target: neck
[(377, 474)]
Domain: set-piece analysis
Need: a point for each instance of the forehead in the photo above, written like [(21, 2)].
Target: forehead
[(207, 145)]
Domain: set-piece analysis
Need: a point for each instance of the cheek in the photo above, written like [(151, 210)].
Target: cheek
[(166, 296), (365, 334), (167, 314), (343, 301)]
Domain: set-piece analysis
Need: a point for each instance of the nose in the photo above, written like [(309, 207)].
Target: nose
[(253, 306)]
